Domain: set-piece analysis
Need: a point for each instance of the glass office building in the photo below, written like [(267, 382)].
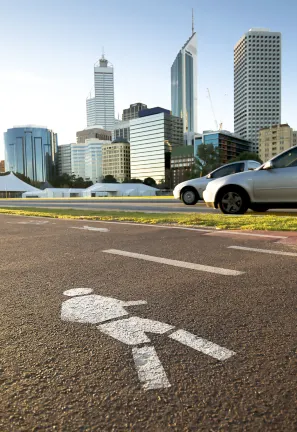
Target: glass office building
[(184, 85), (230, 144), (31, 150), (152, 137)]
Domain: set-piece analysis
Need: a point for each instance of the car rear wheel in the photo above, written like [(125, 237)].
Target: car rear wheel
[(233, 201), (259, 208), (189, 196)]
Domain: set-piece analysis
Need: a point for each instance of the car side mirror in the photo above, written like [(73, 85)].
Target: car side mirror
[(268, 165), (208, 176)]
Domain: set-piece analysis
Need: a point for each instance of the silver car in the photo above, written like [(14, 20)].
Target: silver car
[(273, 185), (190, 191)]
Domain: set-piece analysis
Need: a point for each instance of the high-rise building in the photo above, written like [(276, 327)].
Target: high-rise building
[(116, 159), (132, 112), (100, 103), (31, 150), (257, 83), (294, 137), (2, 166), (64, 159), (82, 159), (92, 132), (152, 137), (122, 130), (274, 140), (230, 144), (184, 84), (182, 161)]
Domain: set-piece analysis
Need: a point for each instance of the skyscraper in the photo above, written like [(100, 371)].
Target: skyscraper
[(184, 84), (257, 83), (31, 150), (152, 137), (100, 104), (132, 112)]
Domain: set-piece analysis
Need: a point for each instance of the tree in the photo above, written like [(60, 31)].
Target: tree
[(247, 156), (207, 160), (135, 181), (109, 179), (149, 181), (23, 177)]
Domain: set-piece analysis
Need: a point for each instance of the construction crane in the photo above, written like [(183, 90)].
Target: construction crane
[(214, 116)]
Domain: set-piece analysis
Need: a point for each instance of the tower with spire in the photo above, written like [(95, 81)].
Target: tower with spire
[(100, 104), (184, 83)]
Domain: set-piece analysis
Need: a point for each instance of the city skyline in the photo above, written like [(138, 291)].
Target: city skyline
[(37, 91)]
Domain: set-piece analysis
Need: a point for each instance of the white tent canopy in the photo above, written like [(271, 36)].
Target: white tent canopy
[(120, 189), (11, 183), (96, 190)]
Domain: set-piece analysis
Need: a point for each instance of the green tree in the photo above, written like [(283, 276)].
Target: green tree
[(247, 156), (207, 160), (149, 181), (23, 177), (135, 181), (109, 179)]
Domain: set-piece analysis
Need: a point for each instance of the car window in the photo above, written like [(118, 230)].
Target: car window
[(286, 160), (253, 165), (228, 169)]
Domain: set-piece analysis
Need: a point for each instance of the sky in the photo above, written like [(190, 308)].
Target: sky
[(48, 49)]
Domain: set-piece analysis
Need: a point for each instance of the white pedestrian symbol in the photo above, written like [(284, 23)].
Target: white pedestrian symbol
[(86, 307)]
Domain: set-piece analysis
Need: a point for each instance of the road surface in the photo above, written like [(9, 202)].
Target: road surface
[(159, 206), (219, 309)]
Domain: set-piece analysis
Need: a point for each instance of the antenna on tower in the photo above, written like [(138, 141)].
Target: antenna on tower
[(103, 53), (192, 21)]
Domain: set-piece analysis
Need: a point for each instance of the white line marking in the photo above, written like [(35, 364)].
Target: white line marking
[(132, 331), (32, 222), (248, 234), (88, 228), (77, 292), (149, 368), (268, 251), (176, 263), (202, 345)]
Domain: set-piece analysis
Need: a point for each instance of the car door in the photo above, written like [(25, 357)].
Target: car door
[(277, 184)]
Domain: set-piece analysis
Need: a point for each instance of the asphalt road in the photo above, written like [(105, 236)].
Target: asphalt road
[(159, 206), (65, 370)]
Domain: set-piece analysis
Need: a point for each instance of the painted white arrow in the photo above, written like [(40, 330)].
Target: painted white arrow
[(89, 228)]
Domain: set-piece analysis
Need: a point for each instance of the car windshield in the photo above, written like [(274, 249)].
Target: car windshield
[(286, 160)]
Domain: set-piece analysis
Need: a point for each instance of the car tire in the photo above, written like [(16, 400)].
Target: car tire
[(233, 201), (189, 196), (259, 208)]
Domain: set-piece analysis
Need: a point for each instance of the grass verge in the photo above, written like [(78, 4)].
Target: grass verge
[(270, 222)]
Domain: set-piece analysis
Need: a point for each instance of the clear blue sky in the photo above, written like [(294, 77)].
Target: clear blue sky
[(48, 48)]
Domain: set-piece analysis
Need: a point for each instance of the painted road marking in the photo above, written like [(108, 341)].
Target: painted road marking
[(149, 368), (132, 331), (31, 222), (175, 263), (268, 251), (88, 228), (248, 234), (202, 345), (92, 308)]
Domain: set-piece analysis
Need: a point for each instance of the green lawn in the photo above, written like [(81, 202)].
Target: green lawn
[(250, 221)]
